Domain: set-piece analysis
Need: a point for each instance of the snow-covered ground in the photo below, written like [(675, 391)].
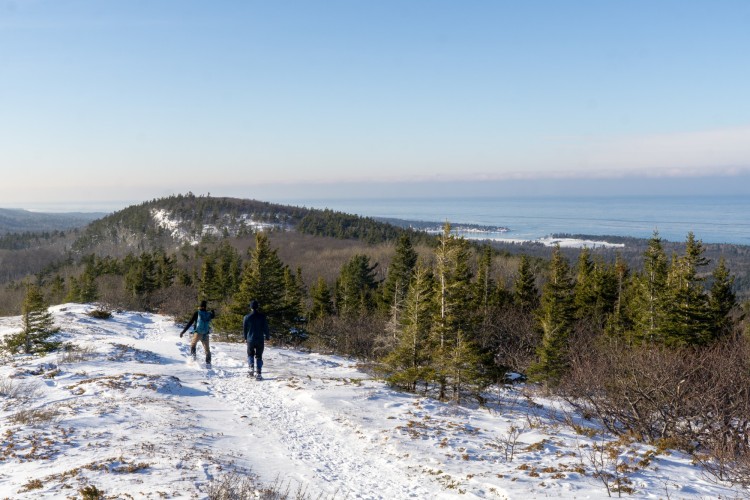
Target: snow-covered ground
[(549, 241), (130, 415)]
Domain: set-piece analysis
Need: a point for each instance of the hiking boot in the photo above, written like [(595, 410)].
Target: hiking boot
[(258, 377)]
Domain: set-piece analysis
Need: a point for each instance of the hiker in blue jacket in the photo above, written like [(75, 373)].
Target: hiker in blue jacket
[(255, 330), (202, 321)]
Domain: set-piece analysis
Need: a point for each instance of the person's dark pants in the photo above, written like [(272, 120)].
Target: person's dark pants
[(255, 357)]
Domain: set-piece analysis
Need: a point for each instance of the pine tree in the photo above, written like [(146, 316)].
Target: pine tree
[(408, 363), (555, 316), (38, 326), (228, 270), (356, 286), (486, 292), (399, 274), (688, 318), (262, 280), (322, 300), (165, 269), (453, 353), (648, 306), (723, 300), (525, 292), (619, 321), (294, 293), (585, 286), (209, 286)]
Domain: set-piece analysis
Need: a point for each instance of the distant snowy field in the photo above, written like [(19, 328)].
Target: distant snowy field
[(131, 416)]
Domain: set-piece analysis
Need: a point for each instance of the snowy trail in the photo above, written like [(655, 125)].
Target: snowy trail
[(301, 440)]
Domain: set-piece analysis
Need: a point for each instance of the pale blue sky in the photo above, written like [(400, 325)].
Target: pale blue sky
[(126, 100)]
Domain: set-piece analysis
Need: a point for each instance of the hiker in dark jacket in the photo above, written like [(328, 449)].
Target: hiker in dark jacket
[(202, 321), (255, 330)]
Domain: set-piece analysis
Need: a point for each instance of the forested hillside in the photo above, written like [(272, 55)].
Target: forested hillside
[(662, 336), (22, 221)]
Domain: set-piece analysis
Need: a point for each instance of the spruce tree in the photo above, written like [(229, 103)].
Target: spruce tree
[(723, 300), (38, 326), (262, 280), (525, 292), (648, 306), (409, 362), (293, 303), (209, 287), (355, 287), (485, 291), (688, 317), (453, 352), (555, 316), (585, 286), (322, 300), (399, 274), (619, 321)]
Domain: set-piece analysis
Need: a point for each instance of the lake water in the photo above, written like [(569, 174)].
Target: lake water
[(712, 219)]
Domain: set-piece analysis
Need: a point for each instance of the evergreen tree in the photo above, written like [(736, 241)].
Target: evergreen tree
[(356, 286), (262, 280), (57, 289), (89, 292), (453, 353), (294, 293), (619, 321), (74, 291), (555, 316), (723, 299), (688, 317), (486, 292), (38, 326), (209, 286), (408, 363), (648, 306), (399, 273), (585, 290), (165, 269), (141, 277), (525, 292), (322, 300), (228, 269)]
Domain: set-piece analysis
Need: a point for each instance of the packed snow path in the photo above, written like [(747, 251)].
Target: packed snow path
[(130, 413)]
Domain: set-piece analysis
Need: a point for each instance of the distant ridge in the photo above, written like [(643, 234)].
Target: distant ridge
[(14, 220)]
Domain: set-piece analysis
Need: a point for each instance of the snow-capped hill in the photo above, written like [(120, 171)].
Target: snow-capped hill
[(124, 412), (182, 231)]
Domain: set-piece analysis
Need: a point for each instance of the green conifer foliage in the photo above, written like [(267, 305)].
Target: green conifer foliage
[(688, 319), (396, 282), (262, 280), (209, 286), (322, 300), (723, 299), (648, 306), (453, 352), (38, 326), (293, 303), (355, 287), (585, 286), (555, 316), (525, 292), (409, 362)]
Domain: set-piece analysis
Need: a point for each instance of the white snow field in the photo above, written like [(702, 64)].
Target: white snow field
[(129, 415)]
